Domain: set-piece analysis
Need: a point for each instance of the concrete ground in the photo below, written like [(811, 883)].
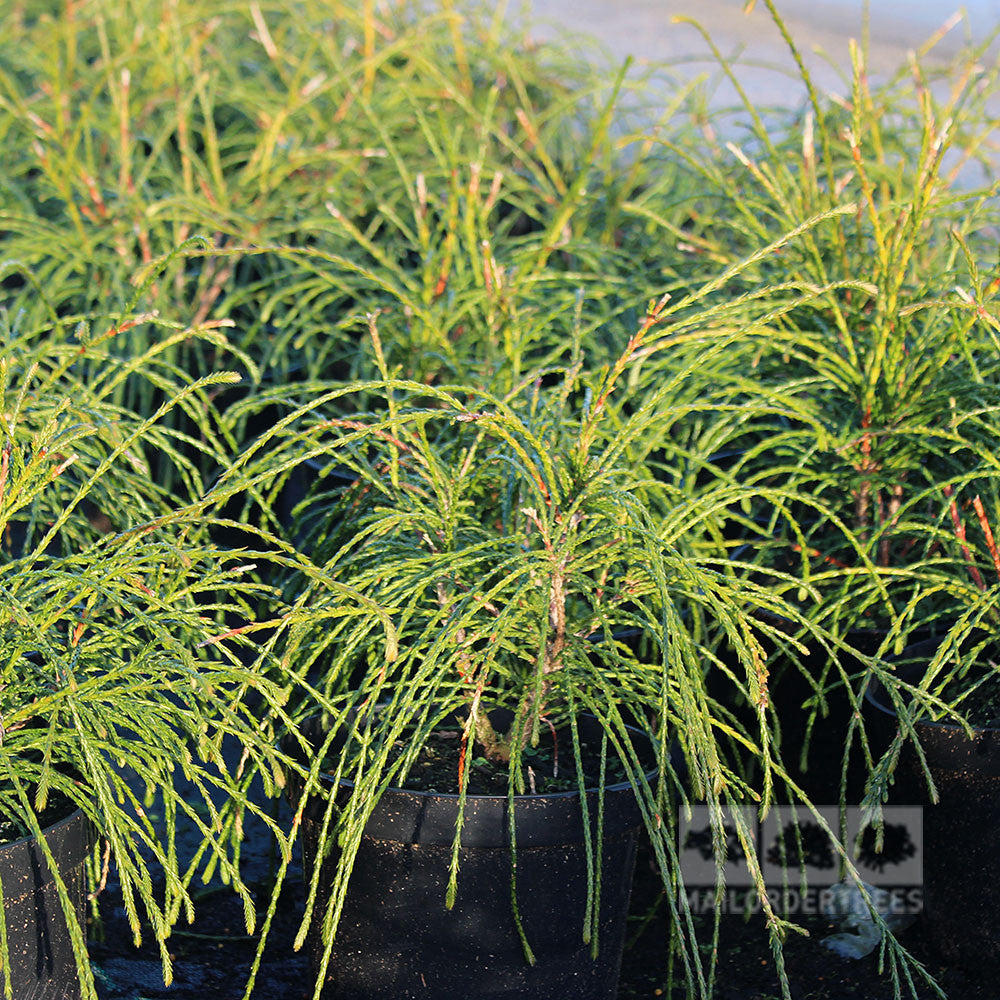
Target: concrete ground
[(821, 28)]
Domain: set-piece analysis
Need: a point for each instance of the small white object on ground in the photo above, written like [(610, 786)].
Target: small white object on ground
[(845, 903)]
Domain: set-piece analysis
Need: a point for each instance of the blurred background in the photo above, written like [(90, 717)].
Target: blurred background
[(822, 28)]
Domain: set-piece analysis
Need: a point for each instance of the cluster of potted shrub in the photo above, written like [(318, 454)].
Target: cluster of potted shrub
[(376, 425)]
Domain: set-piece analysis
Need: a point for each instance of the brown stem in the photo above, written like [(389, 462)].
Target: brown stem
[(4, 468), (495, 746), (557, 620), (863, 493), (956, 520), (861, 505), (883, 545), (987, 532)]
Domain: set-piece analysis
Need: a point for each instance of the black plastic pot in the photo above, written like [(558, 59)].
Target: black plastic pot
[(299, 522), (396, 939), (961, 833), (42, 966), (821, 776), (813, 756)]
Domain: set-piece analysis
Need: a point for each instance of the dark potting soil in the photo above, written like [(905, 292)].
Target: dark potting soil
[(57, 808), (547, 768), (981, 705)]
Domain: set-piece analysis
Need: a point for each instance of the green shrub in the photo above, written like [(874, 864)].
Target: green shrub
[(113, 690)]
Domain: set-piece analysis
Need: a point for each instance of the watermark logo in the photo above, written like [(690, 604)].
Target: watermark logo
[(798, 855), (699, 841)]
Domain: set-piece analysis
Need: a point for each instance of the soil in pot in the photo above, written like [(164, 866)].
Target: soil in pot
[(961, 832), (545, 769), (397, 939), (42, 965)]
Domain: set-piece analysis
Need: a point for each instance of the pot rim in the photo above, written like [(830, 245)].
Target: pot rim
[(46, 830), (876, 689), (619, 786)]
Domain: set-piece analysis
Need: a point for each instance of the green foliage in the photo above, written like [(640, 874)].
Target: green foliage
[(887, 373), (442, 482), (111, 694), (516, 553), (327, 153), (73, 449)]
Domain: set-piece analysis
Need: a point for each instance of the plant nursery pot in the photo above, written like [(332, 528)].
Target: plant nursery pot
[(819, 775), (42, 966), (299, 521), (396, 939), (961, 832)]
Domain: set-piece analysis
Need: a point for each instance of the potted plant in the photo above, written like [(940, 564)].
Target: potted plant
[(481, 745), (111, 696), (327, 168), (887, 377), (944, 714)]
